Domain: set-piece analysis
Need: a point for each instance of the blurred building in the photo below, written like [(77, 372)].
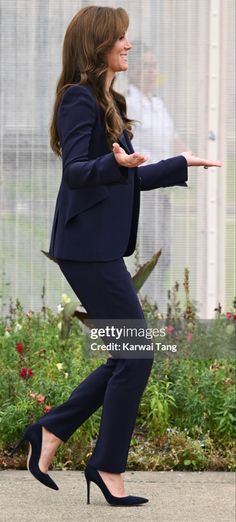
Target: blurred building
[(193, 41)]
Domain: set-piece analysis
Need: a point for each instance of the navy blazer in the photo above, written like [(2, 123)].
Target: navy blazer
[(97, 207)]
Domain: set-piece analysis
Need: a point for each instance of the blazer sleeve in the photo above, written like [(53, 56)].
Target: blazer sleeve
[(77, 117), (165, 173)]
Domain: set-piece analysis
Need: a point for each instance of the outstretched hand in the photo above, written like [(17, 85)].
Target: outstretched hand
[(194, 161), (136, 159), (128, 160)]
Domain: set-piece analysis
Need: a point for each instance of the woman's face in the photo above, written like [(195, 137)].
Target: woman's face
[(117, 58)]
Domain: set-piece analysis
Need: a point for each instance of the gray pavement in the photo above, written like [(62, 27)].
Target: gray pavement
[(173, 497)]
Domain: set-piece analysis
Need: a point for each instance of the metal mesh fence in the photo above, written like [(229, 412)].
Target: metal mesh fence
[(180, 85)]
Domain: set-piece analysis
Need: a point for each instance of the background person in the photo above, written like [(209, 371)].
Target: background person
[(156, 136)]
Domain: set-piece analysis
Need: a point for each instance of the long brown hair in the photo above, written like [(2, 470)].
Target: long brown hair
[(91, 33)]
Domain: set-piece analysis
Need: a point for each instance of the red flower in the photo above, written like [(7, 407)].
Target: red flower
[(20, 347), (169, 329), (229, 315), (47, 408), (234, 317), (23, 373), (26, 372)]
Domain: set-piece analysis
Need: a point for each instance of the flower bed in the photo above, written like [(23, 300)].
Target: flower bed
[(186, 418)]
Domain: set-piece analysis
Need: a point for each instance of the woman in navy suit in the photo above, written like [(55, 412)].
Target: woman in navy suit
[(95, 225)]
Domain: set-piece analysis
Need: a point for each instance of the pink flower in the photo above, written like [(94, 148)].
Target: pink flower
[(169, 329), (215, 366), (20, 347), (47, 408), (189, 337), (25, 373), (229, 315), (40, 398)]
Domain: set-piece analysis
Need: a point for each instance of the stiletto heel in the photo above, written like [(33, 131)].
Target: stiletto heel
[(17, 446), (88, 491), (33, 435), (91, 474)]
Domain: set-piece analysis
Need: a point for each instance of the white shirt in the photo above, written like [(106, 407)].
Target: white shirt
[(154, 135)]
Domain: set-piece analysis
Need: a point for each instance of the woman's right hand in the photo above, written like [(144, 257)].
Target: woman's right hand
[(195, 161), (127, 160)]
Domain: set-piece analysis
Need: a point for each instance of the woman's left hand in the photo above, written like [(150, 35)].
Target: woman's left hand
[(128, 160), (195, 161)]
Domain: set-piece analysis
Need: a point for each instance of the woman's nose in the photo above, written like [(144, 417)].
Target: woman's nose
[(128, 45)]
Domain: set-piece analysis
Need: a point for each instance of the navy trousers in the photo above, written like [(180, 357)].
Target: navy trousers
[(106, 291)]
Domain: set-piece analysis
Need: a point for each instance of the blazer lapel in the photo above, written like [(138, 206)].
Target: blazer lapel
[(125, 143)]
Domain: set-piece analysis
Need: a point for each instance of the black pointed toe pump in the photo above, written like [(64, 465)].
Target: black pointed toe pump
[(33, 435), (92, 475)]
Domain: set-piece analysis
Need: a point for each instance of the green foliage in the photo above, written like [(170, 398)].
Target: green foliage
[(56, 367), (200, 396), (155, 407), (186, 418), (144, 271)]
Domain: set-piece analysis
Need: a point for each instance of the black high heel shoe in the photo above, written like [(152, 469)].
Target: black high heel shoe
[(92, 475), (33, 435)]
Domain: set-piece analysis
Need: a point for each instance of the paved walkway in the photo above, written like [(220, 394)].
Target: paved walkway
[(173, 497)]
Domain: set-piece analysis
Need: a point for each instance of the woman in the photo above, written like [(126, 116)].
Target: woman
[(95, 225)]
